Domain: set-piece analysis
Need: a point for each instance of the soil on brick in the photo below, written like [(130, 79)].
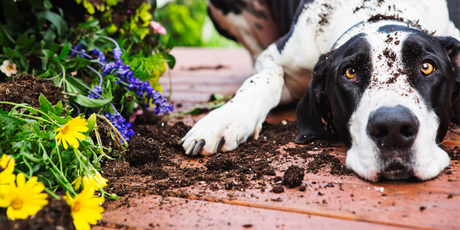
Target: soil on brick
[(156, 164)]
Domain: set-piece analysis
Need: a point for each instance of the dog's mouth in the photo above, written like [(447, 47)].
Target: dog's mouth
[(397, 170)]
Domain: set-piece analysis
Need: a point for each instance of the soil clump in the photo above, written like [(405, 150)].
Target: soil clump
[(293, 176)]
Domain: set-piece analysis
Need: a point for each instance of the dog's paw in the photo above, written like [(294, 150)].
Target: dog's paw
[(222, 130)]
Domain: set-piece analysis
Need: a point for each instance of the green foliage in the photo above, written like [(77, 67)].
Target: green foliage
[(104, 6), (29, 135), (184, 20)]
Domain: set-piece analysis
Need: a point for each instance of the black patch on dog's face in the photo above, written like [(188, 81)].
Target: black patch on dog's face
[(345, 94), (332, 95), (227, 6), (435, 88)]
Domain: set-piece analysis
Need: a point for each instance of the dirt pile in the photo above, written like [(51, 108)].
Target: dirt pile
[(27, 89)]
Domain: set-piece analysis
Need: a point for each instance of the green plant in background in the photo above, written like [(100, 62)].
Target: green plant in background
[(104, 5), (184, 20), (188, 23)]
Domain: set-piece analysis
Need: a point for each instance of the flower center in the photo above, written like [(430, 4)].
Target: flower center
[(76, 206), (17, 204), (65, 129), (9, 67)]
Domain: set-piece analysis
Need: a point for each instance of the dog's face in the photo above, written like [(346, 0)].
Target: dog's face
[(389, 95)]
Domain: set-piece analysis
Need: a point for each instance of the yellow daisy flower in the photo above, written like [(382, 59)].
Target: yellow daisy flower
[(85, 208), (96, 181), (6, 169), (71, 131), (25, 199)]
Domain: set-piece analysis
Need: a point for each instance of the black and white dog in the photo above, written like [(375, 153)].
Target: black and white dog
[(382, 74)]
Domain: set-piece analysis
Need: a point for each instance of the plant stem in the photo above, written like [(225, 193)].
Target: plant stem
[(117, 134), (31, 108), (36, 118)]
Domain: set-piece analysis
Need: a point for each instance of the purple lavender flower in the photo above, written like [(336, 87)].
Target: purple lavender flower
[(76, 50), (121, 124), (93, 93), (125, 76), (100, 55), (117, 53)]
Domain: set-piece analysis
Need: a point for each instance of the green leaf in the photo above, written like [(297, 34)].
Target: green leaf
[(49, 37), (45, 105), (43, 135), (38, 47), (58, 108), (55, 19), (10, 53), (47, 4), (171, 60), (40, 4), (21, 39), (64, 51), (88, 24), (5, 38), (57, 118), (48, 54), (91, 121), (46, 74), (93, 103), (9, 118), (171, 43), (10, 10), (28, 43)]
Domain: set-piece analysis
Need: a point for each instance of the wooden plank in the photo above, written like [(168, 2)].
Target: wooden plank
[(177, 213)]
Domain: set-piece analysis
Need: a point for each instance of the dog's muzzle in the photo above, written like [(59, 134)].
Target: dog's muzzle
[(393, 130)]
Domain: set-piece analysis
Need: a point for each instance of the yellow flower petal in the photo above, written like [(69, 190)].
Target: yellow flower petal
[(85, 208), (77, 182), (69, 133), (23, 198)]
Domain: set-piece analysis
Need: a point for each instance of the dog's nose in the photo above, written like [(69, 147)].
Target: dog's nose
[(393, 127)]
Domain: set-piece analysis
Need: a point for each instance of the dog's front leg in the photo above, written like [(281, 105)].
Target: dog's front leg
[(225, 128)]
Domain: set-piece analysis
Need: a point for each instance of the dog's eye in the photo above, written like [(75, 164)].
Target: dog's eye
[(350, 73), (427, 68)]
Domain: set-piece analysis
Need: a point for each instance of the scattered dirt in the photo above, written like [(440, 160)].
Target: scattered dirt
[(293, 176), (156, 164), (201, 67), (55, 215), (27, 89), (324, 19), (277, 189), (379, 17)]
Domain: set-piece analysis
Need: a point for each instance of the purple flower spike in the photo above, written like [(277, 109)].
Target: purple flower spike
[(122, 126), (117, 53), (93, 93)]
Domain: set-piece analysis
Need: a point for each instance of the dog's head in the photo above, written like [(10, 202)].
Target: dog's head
[(390, 96)]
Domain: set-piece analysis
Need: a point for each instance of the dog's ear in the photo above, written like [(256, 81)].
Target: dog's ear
[(314, 106), (452, 48)]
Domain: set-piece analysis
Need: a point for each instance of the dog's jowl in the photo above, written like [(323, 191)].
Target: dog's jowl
[(382, 75)]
